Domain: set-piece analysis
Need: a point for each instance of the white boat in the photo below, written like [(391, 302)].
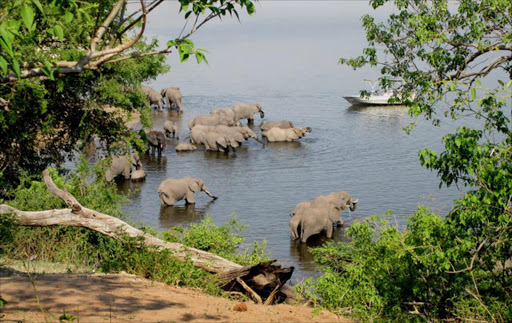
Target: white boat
[(376, 97)]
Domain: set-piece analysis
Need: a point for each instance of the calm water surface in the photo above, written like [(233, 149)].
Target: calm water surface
[(285, 57)]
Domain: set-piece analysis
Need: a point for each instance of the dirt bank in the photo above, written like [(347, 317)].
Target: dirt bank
[(128, 298)]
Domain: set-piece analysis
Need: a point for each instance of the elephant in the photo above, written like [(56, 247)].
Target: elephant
[(228, 113), (185, 147), (210, 120), (247, 111), (314, 220), (296, 220), (153, 96), (156, 140), (198, 132), (122, 165), (173, 190), (324, 212), (267, 125), (290, 134), (171, 128), (248, 133), (233, 133), (174, 97), (214, 141), (138, 175)]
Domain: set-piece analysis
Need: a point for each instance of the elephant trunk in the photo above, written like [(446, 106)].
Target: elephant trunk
[(209, 194), (353, 205)]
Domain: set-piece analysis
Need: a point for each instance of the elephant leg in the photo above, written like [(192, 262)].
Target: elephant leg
[(329, 229), (166, 199), (127, 172), (250, 121), (294, 227), (190, 198)]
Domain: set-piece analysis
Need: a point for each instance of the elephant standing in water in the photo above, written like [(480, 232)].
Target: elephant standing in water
[(321, 214), (284, 124), (154, 97), (171, 128), (289, 134), (174, 97), (174, 190), (122, 165), (247, 111), (156, 140)]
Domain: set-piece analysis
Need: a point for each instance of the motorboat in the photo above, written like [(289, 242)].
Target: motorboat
[(377, 97)]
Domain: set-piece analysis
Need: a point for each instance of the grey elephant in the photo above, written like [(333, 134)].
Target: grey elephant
[(210, 120), (174, 97), (247, 111), (156, 141), (289, 134), (171, 128), (154, 98), (174, 190), (228, 113), (323, 213), (284, 124), (185, 147), (138, 175), (122, 165)]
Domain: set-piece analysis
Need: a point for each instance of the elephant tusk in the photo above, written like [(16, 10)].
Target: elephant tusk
[(355, 201)]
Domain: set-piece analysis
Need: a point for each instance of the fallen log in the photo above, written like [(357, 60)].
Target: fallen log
[(263, 279)]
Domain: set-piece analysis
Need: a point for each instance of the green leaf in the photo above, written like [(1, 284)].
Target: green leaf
[(7, 47), (251, 8), (27, 14), (16, 67), (59, 32), (3, 65), (68, 17), (38, 5), (473, 94)]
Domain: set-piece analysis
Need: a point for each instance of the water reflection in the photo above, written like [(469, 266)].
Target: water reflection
[(294, 145), (154, 161), (183, 215), (127, 187), (379, 111)]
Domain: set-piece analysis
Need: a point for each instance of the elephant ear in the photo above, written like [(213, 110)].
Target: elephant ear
[(195, 185)]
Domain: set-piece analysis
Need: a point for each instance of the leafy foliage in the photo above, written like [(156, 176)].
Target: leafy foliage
[(63, 62), (457, 266), (224, 240)]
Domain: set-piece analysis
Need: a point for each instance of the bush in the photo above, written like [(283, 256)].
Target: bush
[(224, 240), (385, 274)]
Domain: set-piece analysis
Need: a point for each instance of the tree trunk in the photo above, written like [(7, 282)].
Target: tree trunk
[(262, 278)]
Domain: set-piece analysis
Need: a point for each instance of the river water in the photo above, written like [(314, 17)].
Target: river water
[(285, 58)]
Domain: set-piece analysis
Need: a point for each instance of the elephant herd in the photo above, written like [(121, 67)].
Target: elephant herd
[(222, 131)]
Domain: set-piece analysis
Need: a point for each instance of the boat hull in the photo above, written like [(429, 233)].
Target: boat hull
[(372, 100)]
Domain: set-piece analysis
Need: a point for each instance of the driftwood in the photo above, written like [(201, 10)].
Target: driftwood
[(259, 281)]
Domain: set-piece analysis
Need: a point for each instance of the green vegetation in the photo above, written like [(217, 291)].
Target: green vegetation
[(438, 268), (62, 61), (82, 248)]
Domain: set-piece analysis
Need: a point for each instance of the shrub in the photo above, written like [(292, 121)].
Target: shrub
[(383, 273)]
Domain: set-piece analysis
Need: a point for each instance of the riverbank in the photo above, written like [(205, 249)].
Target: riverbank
[(123, 298)]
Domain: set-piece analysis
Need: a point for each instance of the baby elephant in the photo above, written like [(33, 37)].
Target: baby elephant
[(122, 165), (289, 134), (170, 128), (284, 124), (185, 147), (174, 190)]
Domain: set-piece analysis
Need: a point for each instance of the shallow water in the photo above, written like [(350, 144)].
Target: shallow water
[(285, 58)]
